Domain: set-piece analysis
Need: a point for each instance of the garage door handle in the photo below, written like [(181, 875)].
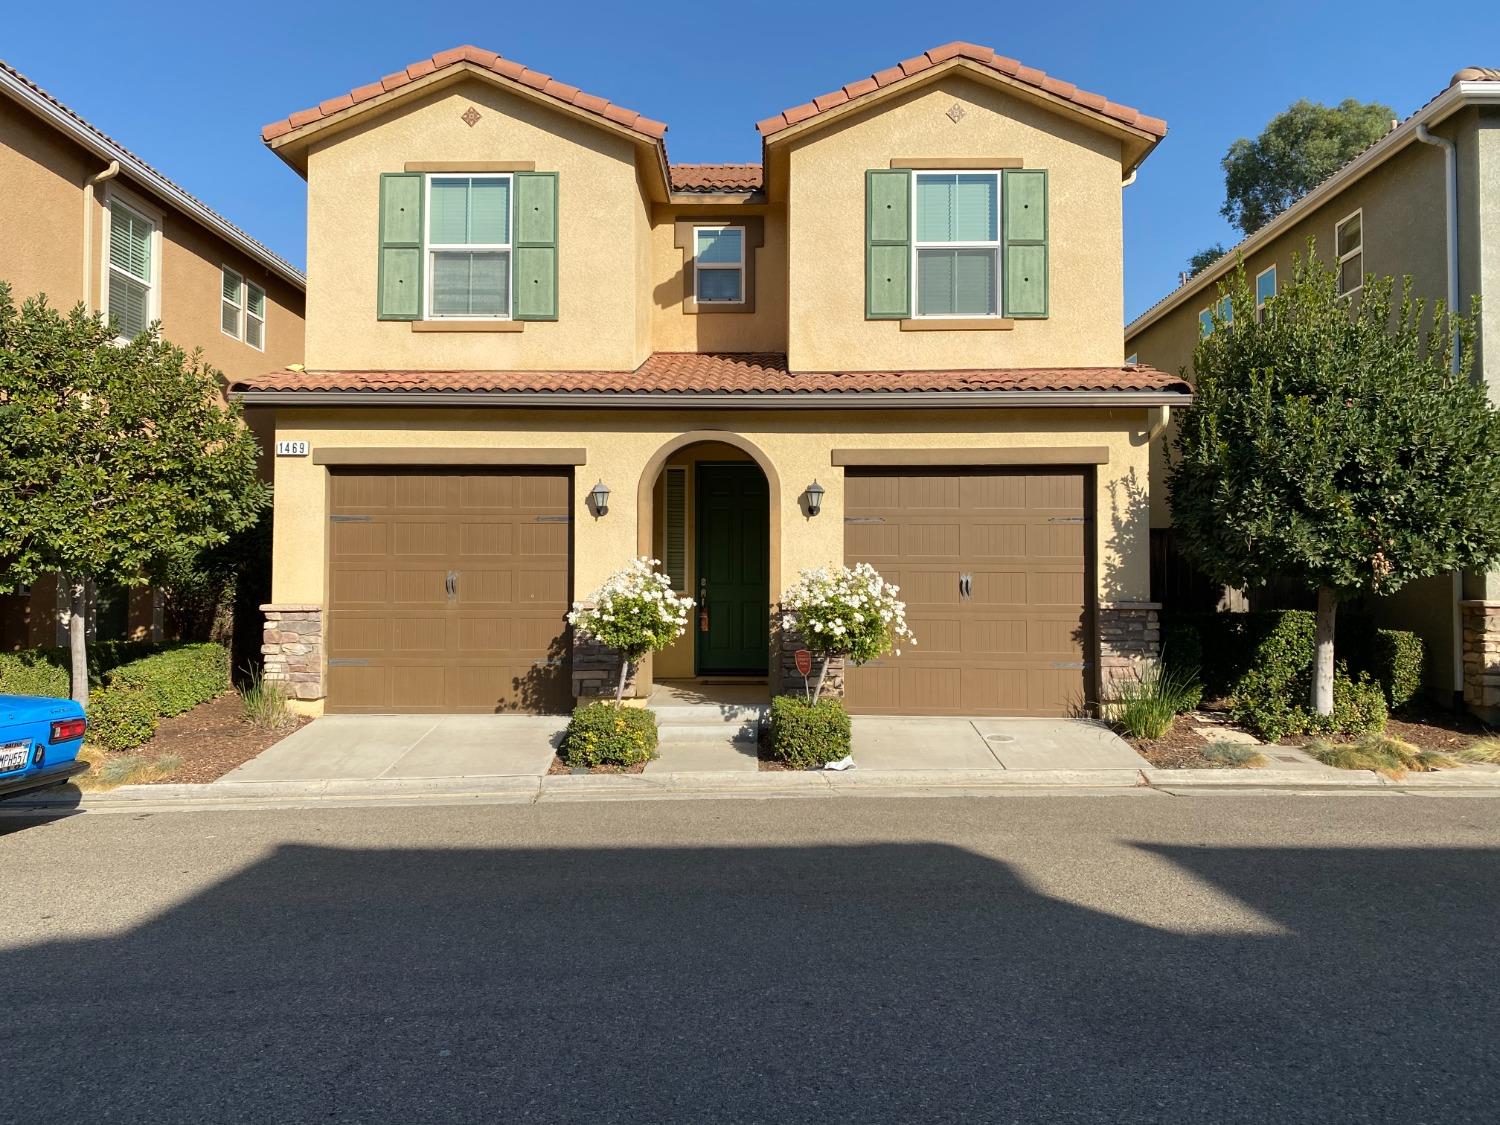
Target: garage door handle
[(451, 584), (966, 586)]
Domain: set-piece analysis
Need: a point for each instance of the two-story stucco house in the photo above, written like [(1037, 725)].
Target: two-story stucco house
[(536, 349), (1424, 202), (86, 220)]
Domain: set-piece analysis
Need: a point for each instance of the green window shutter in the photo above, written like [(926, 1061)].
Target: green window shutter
[(674, 559), (1025, 243), (534, 258), (887, 244), (400, 276)]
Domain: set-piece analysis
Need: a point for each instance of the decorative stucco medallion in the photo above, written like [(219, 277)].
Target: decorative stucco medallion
[(955, 113), (471, 117)]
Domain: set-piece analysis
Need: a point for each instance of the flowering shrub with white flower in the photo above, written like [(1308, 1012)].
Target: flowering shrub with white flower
[(635, 612), (846, 611)]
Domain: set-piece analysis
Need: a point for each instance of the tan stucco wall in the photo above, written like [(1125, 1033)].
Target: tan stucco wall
[(763, 330), (1402, 204), (42, 235), (797, 444), (599, 225), (41, 219), (826, 215)]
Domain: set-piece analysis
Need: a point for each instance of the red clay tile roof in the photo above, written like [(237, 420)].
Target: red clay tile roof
[(750, 373), (717, 177), (985, 56), (506, 68)]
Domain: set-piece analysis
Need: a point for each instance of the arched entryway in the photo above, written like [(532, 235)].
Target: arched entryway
[(708, 507)]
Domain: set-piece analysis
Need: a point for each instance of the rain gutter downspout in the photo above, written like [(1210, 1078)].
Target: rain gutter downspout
[(88, 231), (1450, 209)]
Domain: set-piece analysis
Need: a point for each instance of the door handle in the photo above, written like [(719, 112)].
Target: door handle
[(966, 586), (450, 584)]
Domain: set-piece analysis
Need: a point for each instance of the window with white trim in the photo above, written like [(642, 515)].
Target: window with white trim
[(1225, 309), (1349, 244), (719, 265), (1132, 359), (130, 293), (468, 247), (956, 244), (1265, 289), (242, 309)]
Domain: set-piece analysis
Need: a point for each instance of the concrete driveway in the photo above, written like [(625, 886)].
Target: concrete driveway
[(423, 747), (409, 747)]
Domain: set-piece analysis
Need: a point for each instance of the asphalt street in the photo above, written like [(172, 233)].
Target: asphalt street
[(1026, 958)]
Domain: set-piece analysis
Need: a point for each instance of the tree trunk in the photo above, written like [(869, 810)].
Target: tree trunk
[(620, 687), (1322, 688), (822, 675), (77, 639)]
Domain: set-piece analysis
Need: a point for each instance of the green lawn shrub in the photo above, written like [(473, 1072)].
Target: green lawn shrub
[(606, 734), (120, 718), (808, 735), (178, 679), (46, 671)]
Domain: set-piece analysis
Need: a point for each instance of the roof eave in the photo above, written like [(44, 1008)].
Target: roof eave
[(742, 400), (1439, 109), (293, 146), (1137, 143), (150, 179)]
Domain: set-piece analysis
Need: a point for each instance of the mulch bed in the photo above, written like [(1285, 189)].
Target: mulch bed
[(1431, 729), (1178, 749), (557, 767), (211, 739)]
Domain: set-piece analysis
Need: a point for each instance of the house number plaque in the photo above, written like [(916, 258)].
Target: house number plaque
[(291, 449)]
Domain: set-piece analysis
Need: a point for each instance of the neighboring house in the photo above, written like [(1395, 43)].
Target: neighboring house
[(84, 219), (1422, 201), (536, 349)]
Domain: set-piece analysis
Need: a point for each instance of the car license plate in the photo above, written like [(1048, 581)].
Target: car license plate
[(14, 755)]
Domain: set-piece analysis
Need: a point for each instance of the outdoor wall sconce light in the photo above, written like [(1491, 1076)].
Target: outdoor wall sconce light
[(599, 499), (814, 494)]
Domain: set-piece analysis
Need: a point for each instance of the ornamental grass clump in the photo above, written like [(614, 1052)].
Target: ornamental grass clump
[(848, 612), (1381, 753), (635, 612)]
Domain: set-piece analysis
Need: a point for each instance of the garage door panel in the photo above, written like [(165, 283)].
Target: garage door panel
[(482, 540), (398, 641), (1013, 642)]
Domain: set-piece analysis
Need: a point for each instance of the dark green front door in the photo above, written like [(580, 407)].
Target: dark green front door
[(733, 569)]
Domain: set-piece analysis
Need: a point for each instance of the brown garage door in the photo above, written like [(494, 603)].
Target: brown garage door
[(447, 591), (991, 565)]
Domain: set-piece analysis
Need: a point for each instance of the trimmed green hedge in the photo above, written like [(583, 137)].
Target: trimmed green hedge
[(1262, 663), (45, 671), (120, 718), (602, 734), (178, 679), (808, 735)]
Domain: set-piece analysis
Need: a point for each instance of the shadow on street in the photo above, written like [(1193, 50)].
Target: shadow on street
[(909, 983)]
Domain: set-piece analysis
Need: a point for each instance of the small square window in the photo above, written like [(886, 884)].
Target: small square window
[(719, 265)]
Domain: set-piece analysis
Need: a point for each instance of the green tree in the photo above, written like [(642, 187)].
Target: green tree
[(1205, 258), (1339, 446), (1298, 149), (113, 458)]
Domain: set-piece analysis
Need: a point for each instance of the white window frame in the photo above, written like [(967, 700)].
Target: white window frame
[(431, 249), (1205, 323), (1260, 306), (242, 314), (150, 215), (917, 176), (238, 304), (1225, 307), (698, 267), (1341, 258)]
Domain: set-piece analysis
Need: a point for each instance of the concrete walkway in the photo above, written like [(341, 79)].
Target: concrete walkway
[(408, 747)]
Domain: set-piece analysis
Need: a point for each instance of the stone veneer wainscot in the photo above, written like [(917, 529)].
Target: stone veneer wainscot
[(1481, 621), (1129, 641), (292, 649)]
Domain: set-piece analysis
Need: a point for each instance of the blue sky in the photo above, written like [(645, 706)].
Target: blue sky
[(200, 81)]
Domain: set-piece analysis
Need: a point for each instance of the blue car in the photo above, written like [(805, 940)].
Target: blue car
[(39, 741)]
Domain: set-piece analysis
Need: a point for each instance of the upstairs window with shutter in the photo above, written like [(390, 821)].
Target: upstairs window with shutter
[(130, 299), (468, 247), (956, 244)]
